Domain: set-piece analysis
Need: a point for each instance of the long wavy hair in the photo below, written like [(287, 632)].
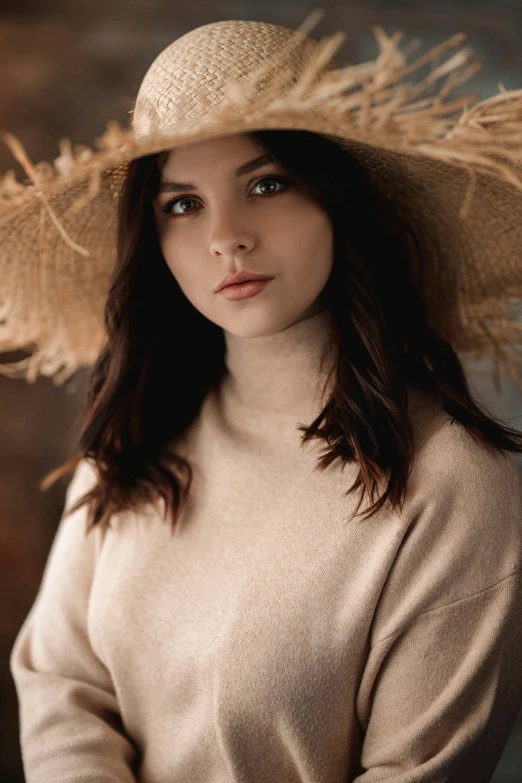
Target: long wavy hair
[(149, 381)]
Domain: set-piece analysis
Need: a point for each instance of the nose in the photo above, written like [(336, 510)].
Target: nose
[(230, 235)]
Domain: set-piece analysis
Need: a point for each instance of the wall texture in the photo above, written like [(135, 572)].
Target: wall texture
[(65, 69)]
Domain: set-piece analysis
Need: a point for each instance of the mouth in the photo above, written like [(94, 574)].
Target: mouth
[(241, 277), (245, 289), (249, 280)]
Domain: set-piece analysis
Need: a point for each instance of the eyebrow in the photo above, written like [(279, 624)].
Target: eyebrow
[(176, 187)]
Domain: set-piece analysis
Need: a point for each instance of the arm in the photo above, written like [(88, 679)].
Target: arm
[(440, 697), (70, 726), (443, 681)]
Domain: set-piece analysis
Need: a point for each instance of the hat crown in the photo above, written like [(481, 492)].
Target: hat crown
[(189, 78)]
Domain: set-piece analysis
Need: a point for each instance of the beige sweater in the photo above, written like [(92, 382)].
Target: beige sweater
[(272, 638)]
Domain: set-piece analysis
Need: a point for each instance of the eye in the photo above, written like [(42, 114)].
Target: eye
[(270, 180), (181, 201), (170, 207)]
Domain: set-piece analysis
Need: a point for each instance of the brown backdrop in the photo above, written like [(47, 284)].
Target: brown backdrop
[(65, 69)]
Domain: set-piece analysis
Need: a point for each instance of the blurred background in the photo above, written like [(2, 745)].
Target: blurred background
[(68, 66)]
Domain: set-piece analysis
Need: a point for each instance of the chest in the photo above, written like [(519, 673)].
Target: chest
[(267, 586)]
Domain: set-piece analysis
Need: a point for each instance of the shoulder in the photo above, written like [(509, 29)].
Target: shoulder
[(461, 526), (73, 531), (450, 458), (83, 480), (469, 493)]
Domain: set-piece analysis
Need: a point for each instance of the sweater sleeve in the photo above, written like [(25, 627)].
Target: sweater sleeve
[(70, 726), (443, 681)]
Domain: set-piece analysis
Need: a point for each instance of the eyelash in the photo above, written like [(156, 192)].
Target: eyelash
[(281, 180)]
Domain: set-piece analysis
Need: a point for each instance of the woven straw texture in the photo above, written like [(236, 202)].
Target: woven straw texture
[(453, 168)]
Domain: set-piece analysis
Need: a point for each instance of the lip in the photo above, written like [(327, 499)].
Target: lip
[(244, 290), (241, 277)]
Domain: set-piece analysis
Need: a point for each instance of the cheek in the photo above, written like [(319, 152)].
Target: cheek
[(176, 253), (312, 243), (174, 259), (184, 268)]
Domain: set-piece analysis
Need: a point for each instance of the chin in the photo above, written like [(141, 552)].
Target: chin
[(247, 325)]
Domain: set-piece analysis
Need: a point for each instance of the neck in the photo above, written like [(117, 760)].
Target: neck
[(279, 379)]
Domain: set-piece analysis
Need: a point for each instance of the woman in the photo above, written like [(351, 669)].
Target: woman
[(274, 631)]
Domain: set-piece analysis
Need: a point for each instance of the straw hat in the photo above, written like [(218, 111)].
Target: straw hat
[(452, 167)]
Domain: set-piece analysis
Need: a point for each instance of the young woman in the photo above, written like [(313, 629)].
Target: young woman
[(291, 548)]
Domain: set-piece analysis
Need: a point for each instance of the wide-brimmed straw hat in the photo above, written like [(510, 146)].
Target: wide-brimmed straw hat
[(451, 166)]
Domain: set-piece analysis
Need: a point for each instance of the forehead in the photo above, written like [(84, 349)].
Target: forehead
[(220, 152)]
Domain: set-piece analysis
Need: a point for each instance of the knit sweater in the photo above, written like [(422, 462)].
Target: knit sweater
[(273, 637)]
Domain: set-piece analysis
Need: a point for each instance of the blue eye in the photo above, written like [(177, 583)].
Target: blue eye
[(181, 200)]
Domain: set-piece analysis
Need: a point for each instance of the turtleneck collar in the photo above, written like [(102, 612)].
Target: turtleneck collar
[(278, 378)]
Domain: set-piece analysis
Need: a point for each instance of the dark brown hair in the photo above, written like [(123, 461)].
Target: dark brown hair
[(162, 356)]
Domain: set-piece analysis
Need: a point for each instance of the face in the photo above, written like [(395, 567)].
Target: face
[(227, 220)]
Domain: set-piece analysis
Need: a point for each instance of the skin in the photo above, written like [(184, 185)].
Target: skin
[(227, 224)]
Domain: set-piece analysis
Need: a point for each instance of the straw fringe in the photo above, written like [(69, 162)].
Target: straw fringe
[(362, 98), (39, 176), (356, 101)]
